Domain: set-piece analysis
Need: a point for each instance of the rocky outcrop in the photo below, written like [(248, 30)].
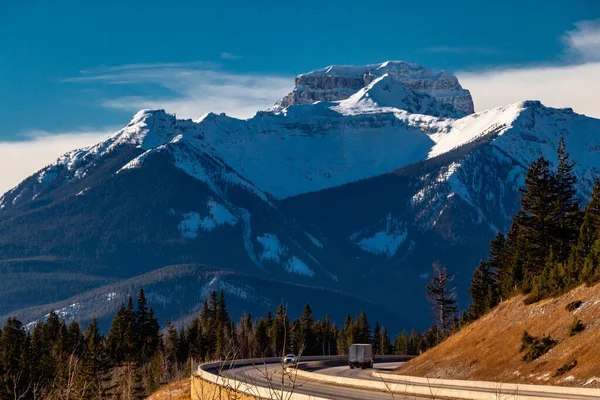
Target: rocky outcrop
[(338, 82)]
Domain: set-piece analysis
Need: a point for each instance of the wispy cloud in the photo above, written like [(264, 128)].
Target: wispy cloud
[(21, 159), (463, 50), (229, 56), (195, 88), (584, 40), (573, 84)]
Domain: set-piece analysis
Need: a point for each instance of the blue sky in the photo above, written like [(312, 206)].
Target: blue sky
[(79, 69)]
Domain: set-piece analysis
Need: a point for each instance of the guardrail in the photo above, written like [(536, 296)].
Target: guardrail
[(213, 373), (453, 389), (505, 388), (385, 382)]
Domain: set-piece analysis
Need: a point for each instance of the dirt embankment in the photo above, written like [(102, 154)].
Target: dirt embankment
[(489, 349), (179, 390)]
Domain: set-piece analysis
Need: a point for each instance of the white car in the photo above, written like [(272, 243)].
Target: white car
[(290, 359)]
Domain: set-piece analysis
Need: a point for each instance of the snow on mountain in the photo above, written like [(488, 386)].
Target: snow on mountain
[(389, 92), (412, 173), (338, 82)]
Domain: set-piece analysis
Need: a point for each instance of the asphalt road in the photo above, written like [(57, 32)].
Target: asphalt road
[(269, 375)]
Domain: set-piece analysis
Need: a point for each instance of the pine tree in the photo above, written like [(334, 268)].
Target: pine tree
[(12, 343), (171, 350), (385, 346), (130, 334), (401, 344), (261, 341), (588, 232), (116, 336), (94, 375), (377, 339), (483, 291), (363, 328), (307, 331), (567, 212), (509, 271), (279, 332), (442, 295), (538, 220)]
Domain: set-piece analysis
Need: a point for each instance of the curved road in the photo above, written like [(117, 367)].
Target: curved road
[(269, 375)]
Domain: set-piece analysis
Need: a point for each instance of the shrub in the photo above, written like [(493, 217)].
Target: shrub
[(574, 305), (536, 347), (575, 327), (526, 341), (565, 368)]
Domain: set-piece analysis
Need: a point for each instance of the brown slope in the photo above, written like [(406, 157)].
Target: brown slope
[(488, 349)]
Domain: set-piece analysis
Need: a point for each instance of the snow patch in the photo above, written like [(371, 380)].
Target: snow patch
[(81, 193), (297, 266), (47, 175), (272, 248), (314, 240), (218, 215), (591, 380), (385, 242), (190, 224), (110, 296)]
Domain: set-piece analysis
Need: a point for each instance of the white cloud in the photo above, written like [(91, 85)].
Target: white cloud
[(574, 85), (18, 160), (569, 86), (584, 41), (229, 56), (194, 89)]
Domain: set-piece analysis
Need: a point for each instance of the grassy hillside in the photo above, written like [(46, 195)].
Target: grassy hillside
[(489, 348), (179, 390)]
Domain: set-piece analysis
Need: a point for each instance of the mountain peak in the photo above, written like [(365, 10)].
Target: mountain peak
[(339, 82), (389, 92)]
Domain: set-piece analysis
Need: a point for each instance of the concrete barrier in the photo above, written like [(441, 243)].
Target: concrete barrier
[(451, 389), (508, 387), (383, 382), (210, 373)]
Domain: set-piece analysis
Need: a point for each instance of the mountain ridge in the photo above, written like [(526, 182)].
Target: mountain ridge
[(336, 193)]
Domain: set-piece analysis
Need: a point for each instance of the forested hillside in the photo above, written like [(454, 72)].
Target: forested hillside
[(54, 360), (534, 300)]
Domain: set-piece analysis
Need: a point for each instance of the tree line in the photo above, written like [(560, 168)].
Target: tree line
[(552, 245), (56, 360)]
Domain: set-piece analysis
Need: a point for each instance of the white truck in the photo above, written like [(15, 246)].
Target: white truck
[(360, 355)]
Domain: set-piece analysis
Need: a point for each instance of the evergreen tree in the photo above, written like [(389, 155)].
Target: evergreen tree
[(538, 220), (279, 332), (483, 291), (12, 343), (307, 331), (385, 346), (261, 341), (588, 232), (172, 345), (401, 343), (116, 336), (377, 339), (364, 334), (441, 293), (568, 214), (94, 374)]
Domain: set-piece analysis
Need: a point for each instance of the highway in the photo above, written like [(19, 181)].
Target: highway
[(270, 376)]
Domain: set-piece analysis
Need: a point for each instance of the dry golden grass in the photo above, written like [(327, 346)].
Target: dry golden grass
[(488, 349), (179, 390)]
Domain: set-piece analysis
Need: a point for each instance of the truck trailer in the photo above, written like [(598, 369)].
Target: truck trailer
[(360, 355)]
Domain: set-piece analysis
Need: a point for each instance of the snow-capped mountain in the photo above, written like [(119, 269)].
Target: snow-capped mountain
[(356, 181)]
